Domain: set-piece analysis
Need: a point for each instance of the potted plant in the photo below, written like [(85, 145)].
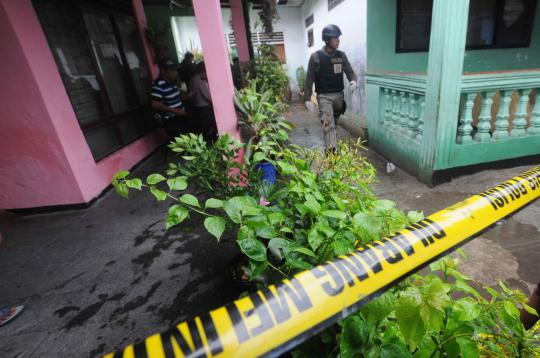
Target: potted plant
[(263, 128)]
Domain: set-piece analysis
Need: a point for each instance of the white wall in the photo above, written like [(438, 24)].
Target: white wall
[(351, 17), (290, 22)]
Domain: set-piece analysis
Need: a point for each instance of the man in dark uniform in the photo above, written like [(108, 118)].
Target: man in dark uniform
[(326, 68)]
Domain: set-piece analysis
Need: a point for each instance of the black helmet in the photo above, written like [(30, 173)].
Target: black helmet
[(330, 31)]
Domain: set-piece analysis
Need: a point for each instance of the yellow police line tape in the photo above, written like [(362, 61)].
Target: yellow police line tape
[(277, 318)]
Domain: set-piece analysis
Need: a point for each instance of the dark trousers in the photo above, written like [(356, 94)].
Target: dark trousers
[(204, 122)]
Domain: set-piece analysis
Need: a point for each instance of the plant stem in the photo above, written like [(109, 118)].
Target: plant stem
[(441, 345), (277, 269)]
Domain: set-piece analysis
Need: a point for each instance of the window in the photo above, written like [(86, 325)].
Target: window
[(310, 41), (491, 24), (413, 25), (309, 20), (333, 3), (100, 58)]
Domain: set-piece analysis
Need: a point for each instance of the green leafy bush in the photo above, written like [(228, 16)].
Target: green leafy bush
[(261, 123), (322, 206), (268, 74), (440, 314)]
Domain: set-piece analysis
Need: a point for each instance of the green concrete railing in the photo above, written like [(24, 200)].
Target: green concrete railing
[(403, 112), (499, 118)]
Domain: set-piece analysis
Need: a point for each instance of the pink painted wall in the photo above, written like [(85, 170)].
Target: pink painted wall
[(45, 159), (216, 59), (239, 28), (142, 25)]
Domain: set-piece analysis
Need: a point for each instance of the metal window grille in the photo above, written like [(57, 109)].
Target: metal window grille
[(333, 3), (309, 20)]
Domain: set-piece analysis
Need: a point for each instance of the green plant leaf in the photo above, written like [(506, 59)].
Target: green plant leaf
[(415, 216), (315, 239), (122, 189), (298, 264), (529, 309), (433, 318), (452, 348), (354, 337), (342, 246), (394, 351), (378, 309), (435, 293), (410, 322), (189, 199), (370, 223), (276, 218), (265, 231), (511, 308), (312, 204), (286, 168), (257, 268), (468, 347), (215, 226), (383, 205), (305, 251), (178, 183), (258, 156), (245, 233), (160, 195), (213, 203), (175, 215), (253, 248), (463, 286), (154, 179), (135, 183), (466, 309), (336, 214), (278, 245), (239, 206), (121, 174)]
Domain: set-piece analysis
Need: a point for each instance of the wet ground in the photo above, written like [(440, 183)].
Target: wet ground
[(94, 280)]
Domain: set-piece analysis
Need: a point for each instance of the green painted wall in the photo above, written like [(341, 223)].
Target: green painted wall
[(381, 41), (159, 18), (507, 59), (381, 55)]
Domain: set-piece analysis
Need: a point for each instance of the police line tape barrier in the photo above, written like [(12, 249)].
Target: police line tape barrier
[(279, 317)]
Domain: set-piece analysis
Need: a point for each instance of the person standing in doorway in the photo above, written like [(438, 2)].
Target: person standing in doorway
[(326, 68), (203, 113)]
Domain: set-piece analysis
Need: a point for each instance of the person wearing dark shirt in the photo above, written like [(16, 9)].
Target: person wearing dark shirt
[(186, 68), (326, 68), (166, 98)]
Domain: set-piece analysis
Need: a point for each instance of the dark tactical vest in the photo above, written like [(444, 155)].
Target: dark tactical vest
[(329, 77)]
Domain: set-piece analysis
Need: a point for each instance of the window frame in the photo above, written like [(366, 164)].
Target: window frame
[(310, 38), (110, 118), (498, 16)]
